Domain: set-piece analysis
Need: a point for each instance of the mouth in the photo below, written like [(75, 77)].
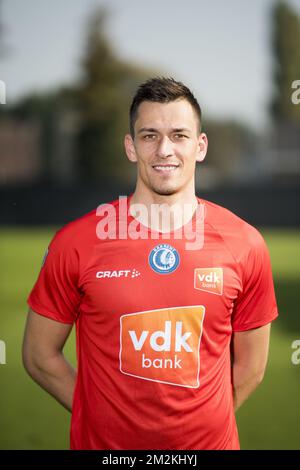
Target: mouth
[(165, 168)]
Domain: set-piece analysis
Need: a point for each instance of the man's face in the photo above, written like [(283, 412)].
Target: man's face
[(166, 146)]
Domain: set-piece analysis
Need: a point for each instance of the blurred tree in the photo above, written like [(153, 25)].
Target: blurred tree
[(46, 110), (286, 51), (104, 95), (284, 137), (82, 125)]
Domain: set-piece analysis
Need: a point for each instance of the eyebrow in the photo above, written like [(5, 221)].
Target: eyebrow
[(181, 129), (147, 129), (151, 129)]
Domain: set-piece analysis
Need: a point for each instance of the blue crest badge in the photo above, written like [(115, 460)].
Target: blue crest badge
[(164, 259)]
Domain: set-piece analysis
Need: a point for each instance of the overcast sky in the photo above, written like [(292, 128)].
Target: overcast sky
[(221, 49)]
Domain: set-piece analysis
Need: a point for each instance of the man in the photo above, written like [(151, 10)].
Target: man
[(171, 337)]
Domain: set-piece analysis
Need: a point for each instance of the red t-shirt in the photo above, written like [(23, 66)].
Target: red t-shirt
[(154, 322)]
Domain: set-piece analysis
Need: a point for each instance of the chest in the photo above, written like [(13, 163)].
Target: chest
[(127, 276)]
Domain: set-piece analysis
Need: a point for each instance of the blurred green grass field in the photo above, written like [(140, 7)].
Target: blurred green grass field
[(31, 419)]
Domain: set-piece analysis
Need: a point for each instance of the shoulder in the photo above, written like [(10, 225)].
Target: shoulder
[(82, 231), (239, 236)]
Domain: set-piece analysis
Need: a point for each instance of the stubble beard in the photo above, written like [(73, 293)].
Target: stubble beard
[(162, 190)]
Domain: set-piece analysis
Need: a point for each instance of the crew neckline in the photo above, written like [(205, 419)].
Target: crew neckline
[(160, 233)]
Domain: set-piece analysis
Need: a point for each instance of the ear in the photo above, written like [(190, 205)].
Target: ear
[(202, 147), (129, 148)]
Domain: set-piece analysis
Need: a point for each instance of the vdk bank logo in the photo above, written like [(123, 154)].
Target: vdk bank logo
[(163, 345), (164, 259), (2, 92), (209, 280)]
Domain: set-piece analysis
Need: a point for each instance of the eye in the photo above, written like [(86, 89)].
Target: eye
[(149, 136), (181, 136)]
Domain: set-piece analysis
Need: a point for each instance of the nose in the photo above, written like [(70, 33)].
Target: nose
[(164, 148)]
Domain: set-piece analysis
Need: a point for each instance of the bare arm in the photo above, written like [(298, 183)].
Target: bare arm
[(250, 354), (43, 357)]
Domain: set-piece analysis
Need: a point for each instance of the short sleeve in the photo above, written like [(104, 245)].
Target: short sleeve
[(55, 293), (256, 303)]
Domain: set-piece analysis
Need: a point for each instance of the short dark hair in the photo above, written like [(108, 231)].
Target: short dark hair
[(161, 90)]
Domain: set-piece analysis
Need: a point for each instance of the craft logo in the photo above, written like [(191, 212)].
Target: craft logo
[(209, 280), (118, 273), (164, 259), (163, 345)]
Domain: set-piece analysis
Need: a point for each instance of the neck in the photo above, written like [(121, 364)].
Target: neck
[(163, 213)]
